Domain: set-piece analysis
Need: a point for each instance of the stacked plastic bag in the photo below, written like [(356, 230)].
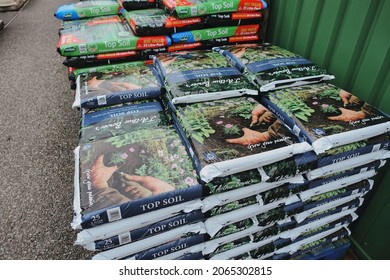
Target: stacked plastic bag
[(100, 32), (240, 152)]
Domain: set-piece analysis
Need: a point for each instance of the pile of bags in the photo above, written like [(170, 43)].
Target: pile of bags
[(101, 32), (237, 152)]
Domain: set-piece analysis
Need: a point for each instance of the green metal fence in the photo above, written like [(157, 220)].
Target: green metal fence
[(350, 38)]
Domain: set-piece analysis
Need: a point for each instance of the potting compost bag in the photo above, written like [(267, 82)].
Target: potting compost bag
[(106, 68), (228, 222), (108, 37), (291, 223), (208, 44), (194, 8), (130, 5), (354, 149), (107, 87), (261, 193), (271, 67), (311, 243), (158, 22), (331, 251), (107, 230), (291, 236), (369, 167), (214, 33), (329, 207), (160, 242), (223, 138), (143, 232), (74, 25), (87, 9), (116, 120), (326, 116), (200, 76), (92, 60), (337, 184), (140, 171), (355, 162)]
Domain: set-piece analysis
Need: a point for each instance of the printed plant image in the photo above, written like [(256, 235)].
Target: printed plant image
[(265, 64), (235, 227), (200, 72), (126, 80), (323, 109), (120, 119), (228, 129), (133, 166)]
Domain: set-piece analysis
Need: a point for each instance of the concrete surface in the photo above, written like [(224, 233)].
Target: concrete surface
[(38, 132)]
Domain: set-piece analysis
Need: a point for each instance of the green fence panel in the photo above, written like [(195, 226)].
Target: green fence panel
[(351, 39)]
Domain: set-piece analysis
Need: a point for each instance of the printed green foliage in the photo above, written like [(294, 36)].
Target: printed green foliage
[(347, 148), (293, 105), (196, 124), (329, 109), (118, 158), (332, 93)]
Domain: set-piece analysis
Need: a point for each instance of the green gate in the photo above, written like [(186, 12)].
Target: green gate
[(351, 39)]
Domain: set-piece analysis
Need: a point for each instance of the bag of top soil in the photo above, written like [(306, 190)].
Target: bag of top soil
[(131, 5), (200, 76), (194, 8), (109, 236), (311, 243), (133, 81), (152, 22), (87, 9), (326, 116), (95, 37), (215, 33), (355, 149), (139, 172), (102, 123), (163, 243), (225, 137), (271, 67)]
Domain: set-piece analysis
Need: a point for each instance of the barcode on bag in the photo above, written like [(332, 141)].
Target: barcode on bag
[(124, 238), (114, 214), (101, 100), (82, 48)]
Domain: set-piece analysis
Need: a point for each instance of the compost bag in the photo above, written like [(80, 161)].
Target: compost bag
[(200, 76), (326, 116), (134, 81), (116, 120), (214, 33), (194, 8), (114, 36), (130, 5), (271, 67), (158, 22), (225, 137), (87, 9), (139, 171)]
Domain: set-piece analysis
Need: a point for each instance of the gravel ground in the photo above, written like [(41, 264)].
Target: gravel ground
[(38, 132)]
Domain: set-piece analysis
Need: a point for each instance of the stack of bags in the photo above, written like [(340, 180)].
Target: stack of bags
[(102, 32), (240, 152)]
